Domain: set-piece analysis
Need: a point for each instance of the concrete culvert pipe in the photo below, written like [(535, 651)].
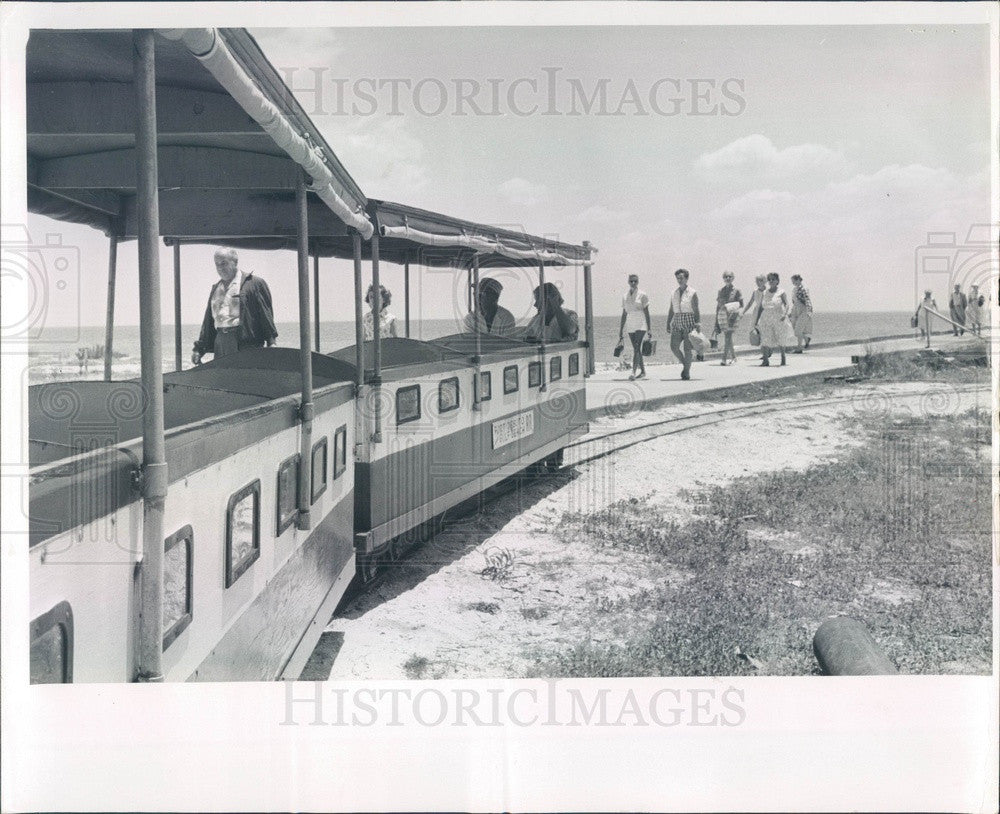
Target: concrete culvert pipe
[(844, 647)]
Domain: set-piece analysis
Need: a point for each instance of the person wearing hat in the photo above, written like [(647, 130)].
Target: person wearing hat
[(556, 324), (492, 318)]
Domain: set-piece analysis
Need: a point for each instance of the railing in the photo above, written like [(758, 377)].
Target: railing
[(928, 312)]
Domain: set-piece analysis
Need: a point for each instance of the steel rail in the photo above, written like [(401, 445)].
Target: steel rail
[(647, 432)]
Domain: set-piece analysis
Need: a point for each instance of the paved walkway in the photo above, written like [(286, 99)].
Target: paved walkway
[(611, 391)]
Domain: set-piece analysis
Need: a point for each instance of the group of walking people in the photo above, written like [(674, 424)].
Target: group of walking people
[(966, 311), (779, 320)]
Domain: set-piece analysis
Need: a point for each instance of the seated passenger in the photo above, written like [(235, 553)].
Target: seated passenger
[(492, 318), (387, 322), (560, 324)]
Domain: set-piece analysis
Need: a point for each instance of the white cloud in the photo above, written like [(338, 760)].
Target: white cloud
[(866, 226), (755, 157), (601, 214), (520, 192), (385, 159), (758, 203)]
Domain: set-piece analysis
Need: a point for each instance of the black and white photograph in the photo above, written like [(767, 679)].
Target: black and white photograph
[(500, 406)]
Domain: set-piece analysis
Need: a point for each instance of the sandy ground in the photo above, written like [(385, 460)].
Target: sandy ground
[(483, 596)]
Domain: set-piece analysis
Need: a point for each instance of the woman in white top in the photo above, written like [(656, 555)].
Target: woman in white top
[(772, 320), (635, 320), (683, 318), (387, 322)]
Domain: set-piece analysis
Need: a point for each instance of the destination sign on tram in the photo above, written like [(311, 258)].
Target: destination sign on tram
[(508, 430)]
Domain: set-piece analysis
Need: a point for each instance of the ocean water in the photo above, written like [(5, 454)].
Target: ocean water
[(59, 346)]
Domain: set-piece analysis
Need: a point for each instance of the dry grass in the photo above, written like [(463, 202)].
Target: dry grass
[(896, 534)]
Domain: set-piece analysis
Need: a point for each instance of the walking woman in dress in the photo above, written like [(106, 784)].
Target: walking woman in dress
[(922, 316), (754, 304), (728, 303), (635, 320), (387, 322), (772, 320), (802, 308), (682, 319), (973, 318)]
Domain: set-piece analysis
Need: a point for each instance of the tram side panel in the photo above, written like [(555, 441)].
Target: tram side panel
[(437, 451), (233, 608), (255, 618)]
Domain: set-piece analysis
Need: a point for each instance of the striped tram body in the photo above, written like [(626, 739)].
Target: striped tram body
[(203, 524)]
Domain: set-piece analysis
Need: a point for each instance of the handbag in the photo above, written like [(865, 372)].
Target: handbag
[(913, 321), (619, 348), (697, 340), (648, 347), (755, 337)]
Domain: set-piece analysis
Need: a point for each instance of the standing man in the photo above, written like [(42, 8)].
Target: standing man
[(493, 318), (682, 319), (635, 320), (802, 309), (239, 314), (957, 305)]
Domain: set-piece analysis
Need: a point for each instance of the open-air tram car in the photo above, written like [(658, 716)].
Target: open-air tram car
[(204, 523)]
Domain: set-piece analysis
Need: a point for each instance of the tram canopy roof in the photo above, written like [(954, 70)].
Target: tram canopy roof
[(227, 171), (229, 132)]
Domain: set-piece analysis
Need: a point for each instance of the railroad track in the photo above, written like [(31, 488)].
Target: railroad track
[(593, 447)]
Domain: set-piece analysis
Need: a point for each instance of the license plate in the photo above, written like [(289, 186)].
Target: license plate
[(508, 430)]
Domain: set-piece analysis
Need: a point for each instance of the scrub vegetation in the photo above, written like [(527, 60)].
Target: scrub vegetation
[(896, 534)]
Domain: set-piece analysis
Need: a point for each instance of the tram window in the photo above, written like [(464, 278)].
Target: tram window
[(448, 395), (288, 492), (242, 531), (51, 638), (510, 384), (339, 451), (178, 584), (534, 374), (320, 454), (485, 385), (574, 364), (555, 368), (408, 404)]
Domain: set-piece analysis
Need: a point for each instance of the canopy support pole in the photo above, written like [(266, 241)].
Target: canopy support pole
[(304, 521), (359, 335), (588, 308), (377, 336), (154, 467), (316, 297), (541, 347), (178, 362), (476, 403), (406, 293), (109, 324)]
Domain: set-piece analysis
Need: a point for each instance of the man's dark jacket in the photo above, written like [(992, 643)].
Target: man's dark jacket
[(256, 317)]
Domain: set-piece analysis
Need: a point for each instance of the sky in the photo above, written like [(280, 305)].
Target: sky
[(830, 152)]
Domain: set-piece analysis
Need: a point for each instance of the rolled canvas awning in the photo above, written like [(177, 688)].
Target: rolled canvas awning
[(432, 235), (411, 235)]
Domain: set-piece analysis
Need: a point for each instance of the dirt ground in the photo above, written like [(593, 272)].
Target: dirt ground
[(491, 592)]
